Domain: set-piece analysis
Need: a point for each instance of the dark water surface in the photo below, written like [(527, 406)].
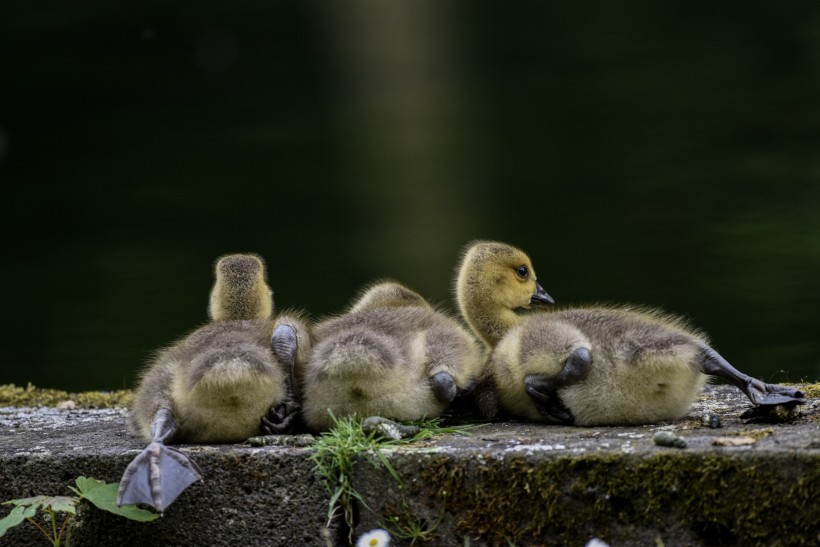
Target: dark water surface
[(666, 155)]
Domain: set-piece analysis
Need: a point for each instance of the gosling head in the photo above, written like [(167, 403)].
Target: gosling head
[(493, 280), (240, 290)]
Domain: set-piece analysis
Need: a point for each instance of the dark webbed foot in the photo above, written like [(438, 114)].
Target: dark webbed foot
[(462, 407), (758, 392), (284, 345), (159, 474), (444, 387), (761, 393), (284, 418), (544, 395), (576, 368), (543, 389), (281, 419), (463, 404)]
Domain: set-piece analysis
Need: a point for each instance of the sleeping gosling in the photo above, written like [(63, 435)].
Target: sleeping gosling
[(392, 355)]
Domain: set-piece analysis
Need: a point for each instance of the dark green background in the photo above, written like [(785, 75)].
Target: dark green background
[(665, 154)]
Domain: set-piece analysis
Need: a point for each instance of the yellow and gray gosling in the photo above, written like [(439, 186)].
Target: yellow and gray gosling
[(585, 366), (221, 383), (390, 354)]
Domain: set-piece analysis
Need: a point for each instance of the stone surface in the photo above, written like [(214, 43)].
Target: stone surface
[(529, 483), (250, 495)]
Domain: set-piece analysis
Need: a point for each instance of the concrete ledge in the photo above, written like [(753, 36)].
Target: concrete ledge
[(529, 483), (539, 485), (250, 496)]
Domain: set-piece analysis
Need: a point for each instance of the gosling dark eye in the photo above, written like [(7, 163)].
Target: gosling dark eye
[(522, 272)]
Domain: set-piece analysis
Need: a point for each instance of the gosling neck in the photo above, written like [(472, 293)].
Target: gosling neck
[(240, 303), (488, 320)]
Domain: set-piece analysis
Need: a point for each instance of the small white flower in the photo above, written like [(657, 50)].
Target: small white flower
[(374, 538)]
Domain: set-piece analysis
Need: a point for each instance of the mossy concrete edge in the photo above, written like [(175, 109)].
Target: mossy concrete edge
[(668, 498), (529, 483), (249, 496), (526, 484)]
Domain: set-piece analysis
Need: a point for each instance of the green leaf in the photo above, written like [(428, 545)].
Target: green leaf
[(86, 486), (104, 496), (60, 504), (34, 502), (15, 517)]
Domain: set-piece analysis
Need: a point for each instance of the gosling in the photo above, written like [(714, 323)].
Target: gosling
[(584, 366), (224, 382), (392, 355)]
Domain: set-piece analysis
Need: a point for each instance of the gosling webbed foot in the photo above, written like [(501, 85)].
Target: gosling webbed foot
[(544, 395), (157, 476), (284, 418), (576, 368), (444, 387), (281, 419), (763, 394), (284, 344), (543, 389), (758, 392), (463, 406)]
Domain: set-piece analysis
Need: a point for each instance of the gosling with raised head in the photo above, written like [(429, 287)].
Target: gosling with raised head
[(584, 366), (224, 382)]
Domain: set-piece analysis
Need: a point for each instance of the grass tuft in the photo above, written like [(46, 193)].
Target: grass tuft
[(336, 453)]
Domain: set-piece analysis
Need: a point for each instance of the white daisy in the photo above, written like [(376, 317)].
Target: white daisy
[(374, 538)]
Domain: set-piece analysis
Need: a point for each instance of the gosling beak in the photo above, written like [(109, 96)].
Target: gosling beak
[(541, 297)]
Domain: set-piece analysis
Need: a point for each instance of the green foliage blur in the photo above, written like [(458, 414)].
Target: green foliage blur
[(100, 494), (663, 154)]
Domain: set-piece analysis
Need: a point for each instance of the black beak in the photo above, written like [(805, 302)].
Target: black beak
[(541, 297)]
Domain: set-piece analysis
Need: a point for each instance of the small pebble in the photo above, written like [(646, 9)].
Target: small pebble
[(710, 420), (388, 428), (667, 438)]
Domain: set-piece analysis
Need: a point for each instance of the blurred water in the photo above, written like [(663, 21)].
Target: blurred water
[(662, 155)]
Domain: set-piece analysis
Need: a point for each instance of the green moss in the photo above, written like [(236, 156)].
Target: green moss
[(11, 395), (738, 500), (812, 391)]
